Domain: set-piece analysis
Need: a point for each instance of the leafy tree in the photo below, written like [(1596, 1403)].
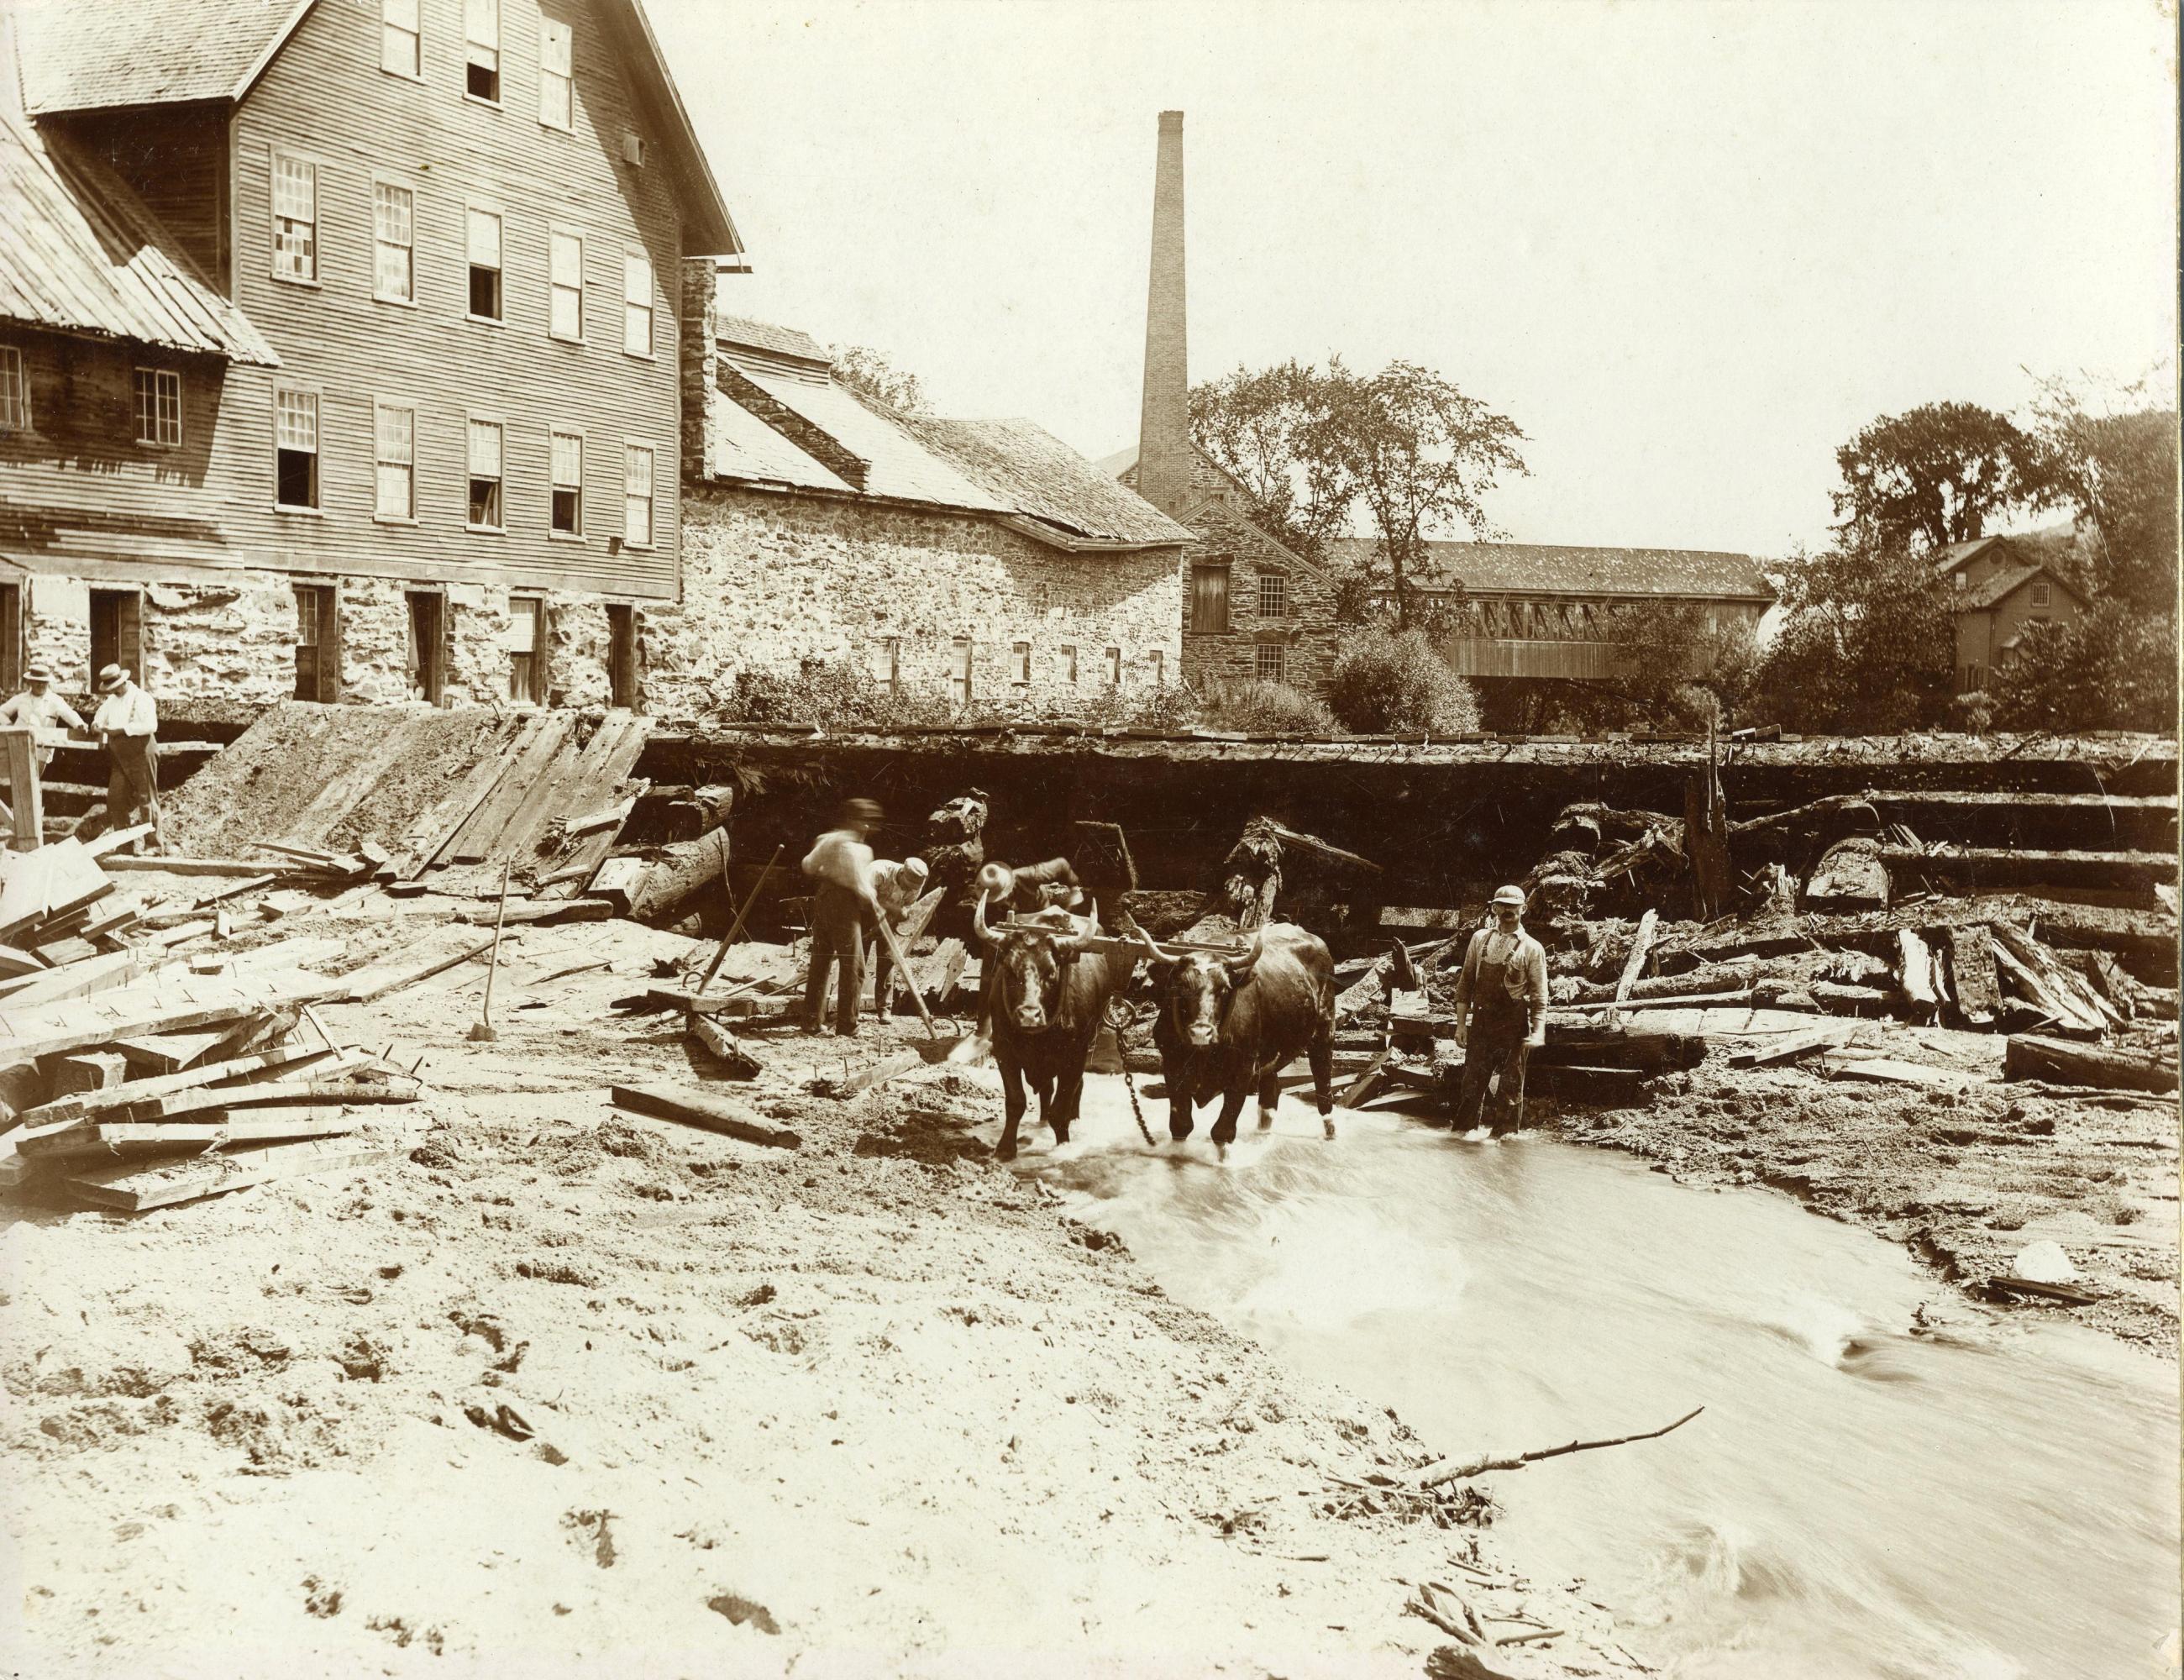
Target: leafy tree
[(1686, 664), (1867, 644), (2113, 669), (871, 373), (1255, 425), (1398, 683), (1933, 476), (2117, 471)]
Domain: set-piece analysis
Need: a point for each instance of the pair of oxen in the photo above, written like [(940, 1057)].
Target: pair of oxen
[(1227, 1025)]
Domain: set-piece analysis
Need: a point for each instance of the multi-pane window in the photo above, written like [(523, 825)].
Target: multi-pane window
[(485, 474), (397, 36), (1274, 595), (1019, 662), (483, 238), (394, 242), (158, 406), (2043, 594), (566, 277), (568, 514), (637, 303), (884, 661), (526, 650), (554, 81), (1111, 664), (295, 219), (296, 448), (15, 391), (960, 653), (637, 497), (394, 461), (482, 49), (1271, 662)]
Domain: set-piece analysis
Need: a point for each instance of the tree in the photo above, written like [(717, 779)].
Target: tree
[(1418, 454), (1398, 684), (869, 373), (1933, 476), (1253, 424), (2113, 669), (1867, 643), (2117, 471)]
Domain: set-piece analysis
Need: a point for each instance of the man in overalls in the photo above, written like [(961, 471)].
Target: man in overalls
[(1501, 1012), (845, 908)]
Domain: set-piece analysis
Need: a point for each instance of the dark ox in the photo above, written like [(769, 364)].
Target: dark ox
[(1227, 1024), (1045, 995)]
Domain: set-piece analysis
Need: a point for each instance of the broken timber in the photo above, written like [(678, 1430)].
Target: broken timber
[(133, 1186), (713, 1114), (2033, 1056)]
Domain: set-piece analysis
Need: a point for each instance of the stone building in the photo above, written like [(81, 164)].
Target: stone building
[(338, 345), (980, 559), (2001, 586)]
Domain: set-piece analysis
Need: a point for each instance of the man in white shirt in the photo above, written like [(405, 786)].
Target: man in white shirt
[(127, 724), (845, 906), (39, 706), (1501, 1012)]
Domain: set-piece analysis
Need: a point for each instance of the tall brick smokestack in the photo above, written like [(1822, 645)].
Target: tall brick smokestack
[(1164, 426)]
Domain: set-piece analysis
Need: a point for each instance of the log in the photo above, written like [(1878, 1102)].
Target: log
[(2030, 1055), (134, 1188), (686, 871), (713, 1114), (1919, 973), (618, 880), (1972, 972), (2064, 997), (1718, 977), (1634, 964), (1991, 867), (1837, 998), (174, 866), (721, 1045)]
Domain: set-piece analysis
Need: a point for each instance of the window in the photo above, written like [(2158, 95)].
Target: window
[(1274, 595), (554, 87), (15, 391), (428, 645), (1270, 662), (296, 448), (481, 51), (295, 220), (959, 670), (565, 316), (884, 663), (526, 650), (1209, 600), (397, 38), (621, 654), (318, 642), (567, 516), (485, 436), (1069, 666), (1159, 661), (1974, 678), (393, 239), (159, 407), (1019, 664), (1111, 662), (2043, 594), (637, 497), (394, 462), (1962, 577), (636, 303), (484, 239), (117, 630)]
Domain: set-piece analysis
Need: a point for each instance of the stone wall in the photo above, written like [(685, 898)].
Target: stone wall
[(1305, 632), (771, 582)]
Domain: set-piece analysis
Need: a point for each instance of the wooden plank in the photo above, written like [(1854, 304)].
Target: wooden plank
[(174, 866), (283, 1092), (78, 979), (429, 835), (565, 785), (714, 1114), (280, 1062), (529, 779), (1790, 1048), (135, 1188), (26, 805), (172, 1052), (13, 962), (369, 984), (115, 838), (338, 798), (208, 1131), (1995, 866), (1642, 946), (170, 1006), (53, 882), (593, 849), (1890, 1071), (2030, 1055)]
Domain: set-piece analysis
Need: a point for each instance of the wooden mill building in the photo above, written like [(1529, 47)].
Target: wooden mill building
[(339, 344)]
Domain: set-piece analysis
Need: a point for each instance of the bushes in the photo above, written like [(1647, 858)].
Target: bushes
[(1390, 683), (1258, 707), (2114, 669), (836, 694)]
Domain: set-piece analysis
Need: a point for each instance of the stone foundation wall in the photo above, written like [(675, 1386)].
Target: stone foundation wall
[(771, 582)]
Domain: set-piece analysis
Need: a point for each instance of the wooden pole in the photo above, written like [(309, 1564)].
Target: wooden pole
[(483, 1033), (25, 800), (909, 981), (713, 967)]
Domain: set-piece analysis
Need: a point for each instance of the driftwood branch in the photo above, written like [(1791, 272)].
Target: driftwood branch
[(1435, 1475)]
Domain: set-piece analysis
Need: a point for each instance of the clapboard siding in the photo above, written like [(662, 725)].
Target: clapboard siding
[(325, 97), (175, 159)]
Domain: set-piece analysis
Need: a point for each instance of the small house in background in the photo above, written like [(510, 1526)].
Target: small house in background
[(2001, 585), (981, 561)]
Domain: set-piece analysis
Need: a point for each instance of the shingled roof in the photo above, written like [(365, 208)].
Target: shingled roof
[(80, 254), (1046, 480), (1544, 569), (2005, 582)]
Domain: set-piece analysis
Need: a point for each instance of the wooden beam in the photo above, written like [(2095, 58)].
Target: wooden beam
[(134, 1188), (1641, 945), (26, 803), (171, 1006), (714, 1114), (241, 1071), (207, 1132)]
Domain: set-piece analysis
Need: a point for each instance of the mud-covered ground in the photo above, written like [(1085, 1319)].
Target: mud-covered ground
[(1966, 1178), (552, 1389)]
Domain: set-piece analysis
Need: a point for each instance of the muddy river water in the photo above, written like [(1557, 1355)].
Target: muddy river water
[(1992, 1498)]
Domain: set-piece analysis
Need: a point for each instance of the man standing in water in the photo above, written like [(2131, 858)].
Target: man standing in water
[(844, 906), (1500, 1012)]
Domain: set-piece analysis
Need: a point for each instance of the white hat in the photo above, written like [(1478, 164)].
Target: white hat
[(1510, 895)]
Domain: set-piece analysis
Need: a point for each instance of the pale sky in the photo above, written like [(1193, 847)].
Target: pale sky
[(1688, 246)]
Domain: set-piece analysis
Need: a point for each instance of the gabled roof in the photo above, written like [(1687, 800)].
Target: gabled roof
[(2007, 582), (779, 419), (80, 254), (1958, 554), (1547, 569), (82, 55)]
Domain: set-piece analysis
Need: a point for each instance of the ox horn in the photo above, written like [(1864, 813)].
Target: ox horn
[(1158, 954), (1079, 942), (986, 935), (1239, 967)]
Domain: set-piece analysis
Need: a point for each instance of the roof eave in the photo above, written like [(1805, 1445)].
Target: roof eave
[(1072, 543), (258, 65), (708, 229)]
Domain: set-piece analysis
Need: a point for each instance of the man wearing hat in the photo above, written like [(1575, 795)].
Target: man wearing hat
[(1501, 1012), (127, 724), (897, 886), (844, 907), (39, 707)]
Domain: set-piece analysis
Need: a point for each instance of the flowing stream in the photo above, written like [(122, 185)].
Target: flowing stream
[(1997, 1498)]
